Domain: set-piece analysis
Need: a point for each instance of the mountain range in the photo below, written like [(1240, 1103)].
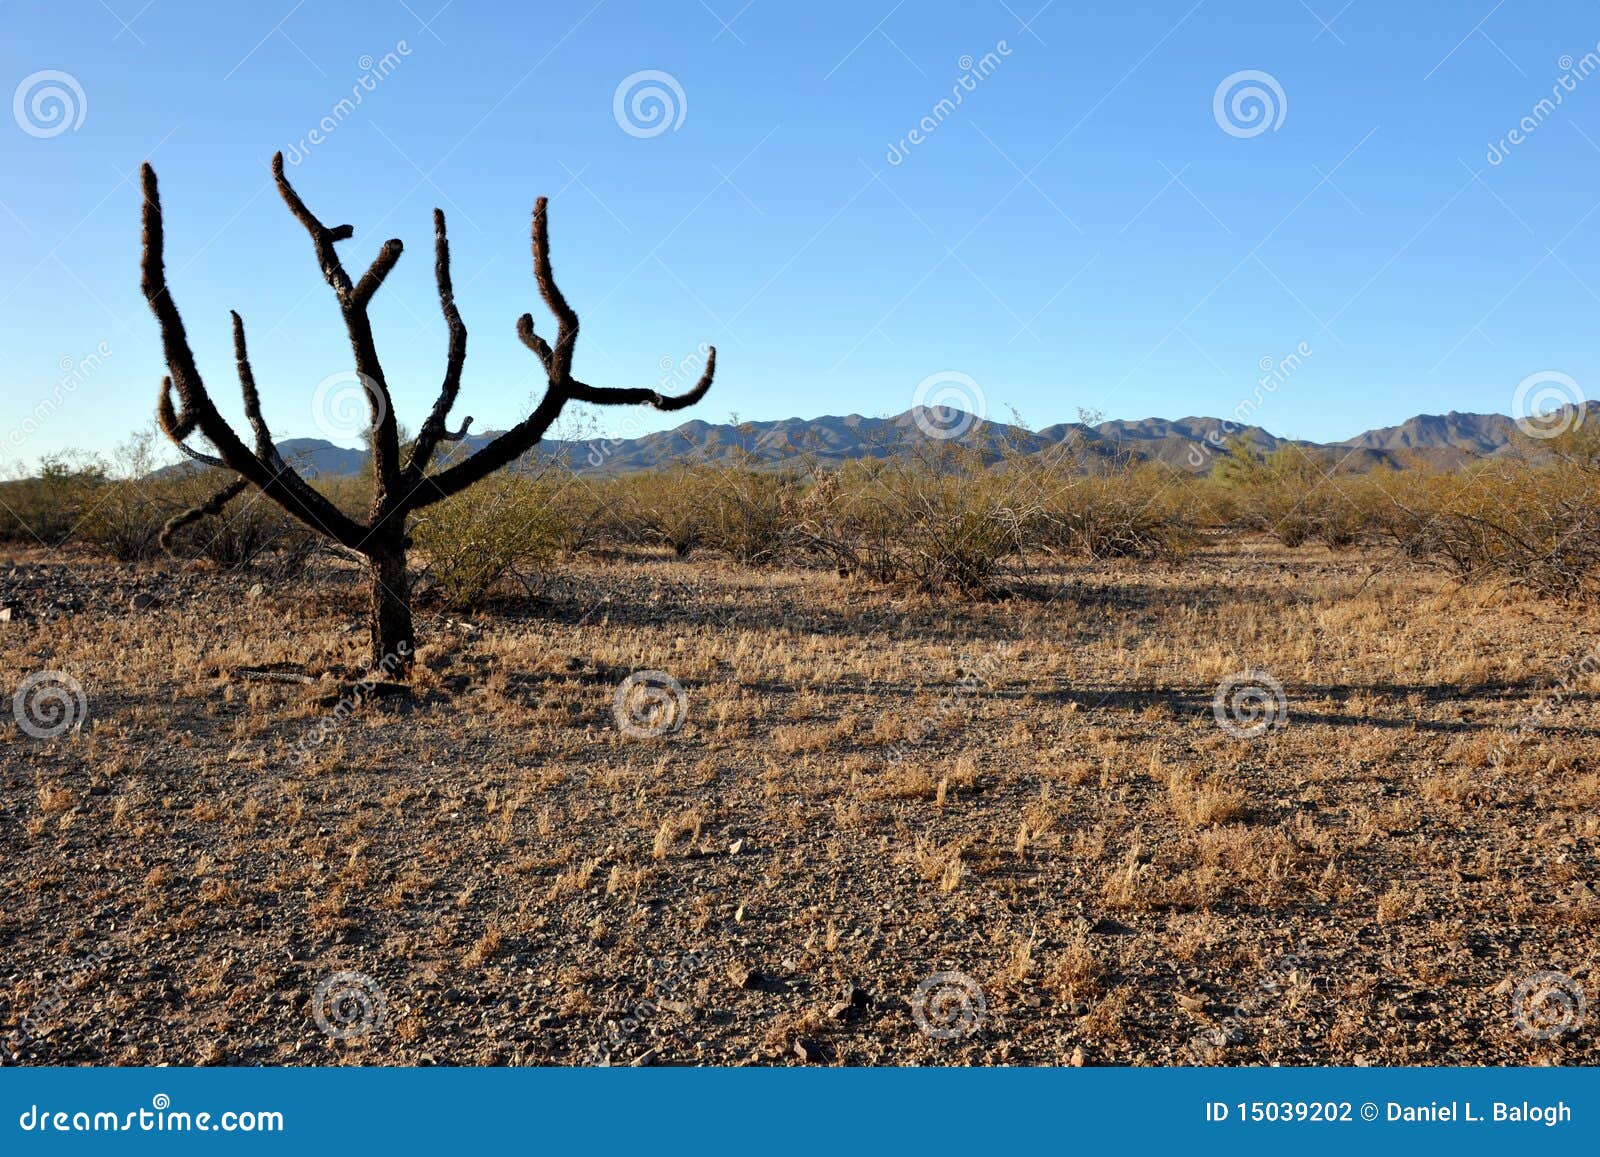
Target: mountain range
[(1438, 440)]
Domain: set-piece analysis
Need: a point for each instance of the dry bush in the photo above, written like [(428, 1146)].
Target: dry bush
[(505, 527), (750, 513), (930, 517), (666, 507), (1294, 494), (1529, 523), (1127, 512), (48, 507), (247, 531)]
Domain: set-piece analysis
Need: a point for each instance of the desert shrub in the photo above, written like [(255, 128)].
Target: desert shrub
[(128, 509), (1129, 512), (666, 507), (249, 531), (905, 521), (1294, 494), (48, 506), (1527, 522), (505, 527), (749, 513), (125, 519)]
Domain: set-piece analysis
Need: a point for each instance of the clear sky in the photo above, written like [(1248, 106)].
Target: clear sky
[(1086, 228)]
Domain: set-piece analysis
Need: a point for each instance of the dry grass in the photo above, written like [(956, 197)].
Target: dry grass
[(845, 812)]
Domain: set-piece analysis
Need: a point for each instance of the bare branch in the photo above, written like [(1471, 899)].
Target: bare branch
[(560, 364), (210, 507), (197, 410), (433, 430), (517, 441), (502, 451), (533, 341), (322, 238), (615, 396), (266, 450), (377, 271), (353, 301)]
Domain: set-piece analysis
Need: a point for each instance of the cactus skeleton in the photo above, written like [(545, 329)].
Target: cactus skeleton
[(399, 487)]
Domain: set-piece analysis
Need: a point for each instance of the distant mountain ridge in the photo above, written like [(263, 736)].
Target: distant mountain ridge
[(1192, 443)]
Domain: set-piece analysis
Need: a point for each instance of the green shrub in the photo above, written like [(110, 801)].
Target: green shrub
[(505, 527)]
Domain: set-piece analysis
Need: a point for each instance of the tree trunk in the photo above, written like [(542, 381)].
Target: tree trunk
[(394, 641)]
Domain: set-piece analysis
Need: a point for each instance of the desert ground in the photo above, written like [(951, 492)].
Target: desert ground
[(866, 792)]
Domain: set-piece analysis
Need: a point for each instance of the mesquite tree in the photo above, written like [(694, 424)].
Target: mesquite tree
[(399, 487)]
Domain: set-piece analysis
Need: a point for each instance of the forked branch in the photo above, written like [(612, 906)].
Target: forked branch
[(185, 408), (353, 301), (195, 411), (562, 388)]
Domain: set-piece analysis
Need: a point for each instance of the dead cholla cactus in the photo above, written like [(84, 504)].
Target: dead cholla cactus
[(399, 487)]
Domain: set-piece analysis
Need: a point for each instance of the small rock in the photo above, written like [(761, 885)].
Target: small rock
[(1079, 1058), (143, 601), (736, 847), (256, 591), (741, 976), (809, 1051), (1191, 1003), (852, 1000)]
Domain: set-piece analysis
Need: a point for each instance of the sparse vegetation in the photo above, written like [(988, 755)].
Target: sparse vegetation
[(871, 785)]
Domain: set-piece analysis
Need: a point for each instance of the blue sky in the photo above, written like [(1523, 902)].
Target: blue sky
[(1081, 231)]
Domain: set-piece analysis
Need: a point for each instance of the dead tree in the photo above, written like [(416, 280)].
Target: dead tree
[(399, 487)]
